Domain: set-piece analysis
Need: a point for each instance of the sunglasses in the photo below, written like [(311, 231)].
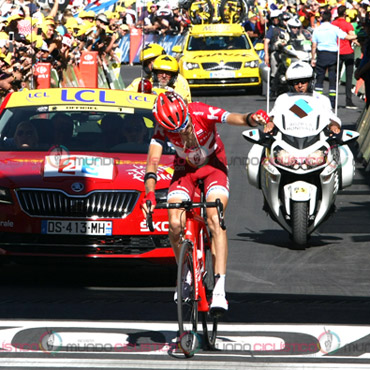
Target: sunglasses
[(182, 128), (302, 81)]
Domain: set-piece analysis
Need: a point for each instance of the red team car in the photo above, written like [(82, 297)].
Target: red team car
[(72, 164)]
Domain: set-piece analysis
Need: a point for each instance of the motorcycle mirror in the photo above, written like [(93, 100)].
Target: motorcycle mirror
[(349, 135), (256, 136), (253, 136)]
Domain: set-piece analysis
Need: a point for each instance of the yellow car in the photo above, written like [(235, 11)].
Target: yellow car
[(220, 55)]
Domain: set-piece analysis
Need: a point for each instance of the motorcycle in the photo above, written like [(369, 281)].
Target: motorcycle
[(300, 167), (295, 50)]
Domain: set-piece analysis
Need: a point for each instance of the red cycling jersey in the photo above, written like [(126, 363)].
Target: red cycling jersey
[(206, 160), (204, 118)]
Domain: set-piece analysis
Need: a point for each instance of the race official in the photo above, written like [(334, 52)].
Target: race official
[(324, 53)]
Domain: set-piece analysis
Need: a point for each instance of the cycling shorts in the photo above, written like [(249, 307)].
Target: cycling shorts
[(185, 180)]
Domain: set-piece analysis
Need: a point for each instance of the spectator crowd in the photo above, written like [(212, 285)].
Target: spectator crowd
[(32, 33)]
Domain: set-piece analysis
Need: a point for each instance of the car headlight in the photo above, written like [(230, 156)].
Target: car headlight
[(190, 65), (317, 158), (251, 64), (5, 196), (161, 195)]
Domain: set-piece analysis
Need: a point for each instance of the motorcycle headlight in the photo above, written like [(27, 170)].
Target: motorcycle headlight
[(251, 64), (190, 66), (317, 158), (5, 196), (284, 158)]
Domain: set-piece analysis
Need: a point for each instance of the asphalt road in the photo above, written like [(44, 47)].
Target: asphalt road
[(271, 287)]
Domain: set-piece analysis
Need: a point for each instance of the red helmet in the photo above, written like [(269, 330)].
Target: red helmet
[(171, 111)]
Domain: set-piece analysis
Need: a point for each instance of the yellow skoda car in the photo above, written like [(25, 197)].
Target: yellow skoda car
[(220, 55)]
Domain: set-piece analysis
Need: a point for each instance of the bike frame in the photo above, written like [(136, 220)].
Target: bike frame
[(195, 230)]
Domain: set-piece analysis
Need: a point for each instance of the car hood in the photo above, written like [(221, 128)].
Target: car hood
[(81, 172), (225, 55)]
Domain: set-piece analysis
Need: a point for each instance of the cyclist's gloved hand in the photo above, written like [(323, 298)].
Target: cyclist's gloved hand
[(150, 196), (261, 117)]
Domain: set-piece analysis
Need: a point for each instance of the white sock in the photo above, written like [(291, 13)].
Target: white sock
[(219, 285)]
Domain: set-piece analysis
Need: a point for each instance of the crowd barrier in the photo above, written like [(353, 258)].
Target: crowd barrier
[(109, 76)]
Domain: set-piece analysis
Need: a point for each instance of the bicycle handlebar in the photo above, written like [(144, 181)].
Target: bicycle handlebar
[(187, 205)]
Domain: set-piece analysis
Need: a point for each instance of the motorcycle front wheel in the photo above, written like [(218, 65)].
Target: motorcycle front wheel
[(299, 211)]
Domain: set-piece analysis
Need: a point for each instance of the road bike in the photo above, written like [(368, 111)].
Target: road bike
[(195, 275), (216, 11)]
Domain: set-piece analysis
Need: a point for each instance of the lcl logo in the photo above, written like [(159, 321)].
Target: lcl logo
[(41, 69)]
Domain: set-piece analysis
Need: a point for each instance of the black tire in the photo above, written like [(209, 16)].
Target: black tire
[(203, 6), (238, 6), (187, 307), (209, 322), (299, 224)]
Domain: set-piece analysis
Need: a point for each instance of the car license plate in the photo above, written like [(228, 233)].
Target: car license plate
[(76, 227), (222, 74)]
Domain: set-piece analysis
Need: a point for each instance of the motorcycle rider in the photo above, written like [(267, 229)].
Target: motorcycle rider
[(165, 75), (147, 56), (300, 78), (276, 36), (295, 30)]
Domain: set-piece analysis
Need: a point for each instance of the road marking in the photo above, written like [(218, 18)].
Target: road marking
[(299, 343)]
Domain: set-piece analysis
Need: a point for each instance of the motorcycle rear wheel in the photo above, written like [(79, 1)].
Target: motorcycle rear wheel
[(299, 224)]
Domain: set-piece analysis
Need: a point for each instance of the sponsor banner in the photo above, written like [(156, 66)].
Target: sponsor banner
[(43, 76), (135, 42)]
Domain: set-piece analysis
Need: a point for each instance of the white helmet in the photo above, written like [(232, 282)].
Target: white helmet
[(275, 13), (294, 22), (299, 70)]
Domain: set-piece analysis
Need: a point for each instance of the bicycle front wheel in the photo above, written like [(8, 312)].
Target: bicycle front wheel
[(187, 306), (201, 12), (209, 322)]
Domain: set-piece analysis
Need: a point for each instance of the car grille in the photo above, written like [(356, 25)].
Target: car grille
[(56, 203), (78, 244), (230, 66)]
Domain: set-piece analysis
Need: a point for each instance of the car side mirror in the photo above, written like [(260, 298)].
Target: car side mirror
[(259, 46), (177, 49)]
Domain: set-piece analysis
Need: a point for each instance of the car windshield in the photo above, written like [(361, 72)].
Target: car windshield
[(98, 129), (218, 43)]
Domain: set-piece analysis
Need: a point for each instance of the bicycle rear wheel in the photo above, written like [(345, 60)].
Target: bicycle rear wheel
[(233, 11), (187, 306), (209, 322)]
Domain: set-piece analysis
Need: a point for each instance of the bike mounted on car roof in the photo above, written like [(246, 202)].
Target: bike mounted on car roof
[(217, 11)]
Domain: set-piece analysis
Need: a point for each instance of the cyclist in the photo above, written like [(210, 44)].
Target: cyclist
[(166, 76), (147, 56), (200, 155)]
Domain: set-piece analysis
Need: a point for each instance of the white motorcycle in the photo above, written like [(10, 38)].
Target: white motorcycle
[(300, 168)]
